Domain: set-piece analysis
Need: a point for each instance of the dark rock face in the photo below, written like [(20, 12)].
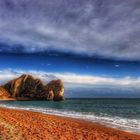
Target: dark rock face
[(57, 88), (28, 87)]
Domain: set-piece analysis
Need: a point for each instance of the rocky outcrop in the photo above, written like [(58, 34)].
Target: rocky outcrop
[(4, 94), (57, 88), (26, 86)]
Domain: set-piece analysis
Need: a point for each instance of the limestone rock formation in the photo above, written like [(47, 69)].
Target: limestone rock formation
[(57, 88), (27, 87), (4, 94)]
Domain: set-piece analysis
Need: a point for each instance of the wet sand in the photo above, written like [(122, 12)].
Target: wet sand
[(27, 125)]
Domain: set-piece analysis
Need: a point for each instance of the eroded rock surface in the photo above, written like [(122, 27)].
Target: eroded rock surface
[(27, 87)]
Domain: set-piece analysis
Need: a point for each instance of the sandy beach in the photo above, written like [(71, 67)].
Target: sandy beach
[(26, 125)]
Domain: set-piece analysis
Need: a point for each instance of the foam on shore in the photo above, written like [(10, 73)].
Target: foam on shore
[(125, 124)]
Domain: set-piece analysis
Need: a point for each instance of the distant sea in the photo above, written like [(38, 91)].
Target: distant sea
[(117, 113)]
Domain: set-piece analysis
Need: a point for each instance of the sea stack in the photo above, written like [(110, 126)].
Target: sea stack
[(26, 87)]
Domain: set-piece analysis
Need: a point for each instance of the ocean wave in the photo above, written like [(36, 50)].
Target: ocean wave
[(129, 125)]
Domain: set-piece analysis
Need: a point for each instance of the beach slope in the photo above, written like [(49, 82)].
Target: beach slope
[(26, 125)]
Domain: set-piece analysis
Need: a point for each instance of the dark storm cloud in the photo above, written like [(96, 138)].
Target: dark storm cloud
[(108, 29)]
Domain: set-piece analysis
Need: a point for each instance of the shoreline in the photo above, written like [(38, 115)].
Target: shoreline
[(114, 126), (22, 124)]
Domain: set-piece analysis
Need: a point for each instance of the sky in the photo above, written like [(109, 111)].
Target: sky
[(92, 45)]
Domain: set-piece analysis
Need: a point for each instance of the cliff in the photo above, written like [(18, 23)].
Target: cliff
[(4, 94), (26, 87)]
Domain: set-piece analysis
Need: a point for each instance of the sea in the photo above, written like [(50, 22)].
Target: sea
[(122, 114)]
